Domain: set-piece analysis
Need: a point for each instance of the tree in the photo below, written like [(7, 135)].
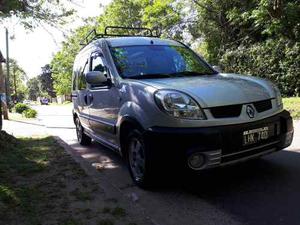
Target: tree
[(33, 12), (46, 81), (17, 84), (34, 88), (135, 13), (62, 62), (165, 16), (3, 105), (259, 37)]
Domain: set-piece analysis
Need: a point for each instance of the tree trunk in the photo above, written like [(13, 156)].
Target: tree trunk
[(2, 92), (0, 115)]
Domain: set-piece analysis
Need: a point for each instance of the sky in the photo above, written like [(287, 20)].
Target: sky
[(34, 49)]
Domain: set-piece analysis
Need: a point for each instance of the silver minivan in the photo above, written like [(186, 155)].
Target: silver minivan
[(163, 108)]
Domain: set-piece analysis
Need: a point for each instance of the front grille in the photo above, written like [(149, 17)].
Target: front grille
[(235, 110), (226, 111), (262, 106)]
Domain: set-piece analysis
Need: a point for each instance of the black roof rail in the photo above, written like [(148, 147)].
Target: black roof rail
[(93, 35)]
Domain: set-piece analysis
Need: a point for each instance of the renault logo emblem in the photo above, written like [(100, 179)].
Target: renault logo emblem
[(250, 111)]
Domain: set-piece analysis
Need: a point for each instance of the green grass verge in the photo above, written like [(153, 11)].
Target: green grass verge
[(41, 184), (293, 106), (19, 160)]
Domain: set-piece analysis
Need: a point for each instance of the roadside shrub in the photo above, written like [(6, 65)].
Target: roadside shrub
[(30, 113), (20, 107), (276, 60)]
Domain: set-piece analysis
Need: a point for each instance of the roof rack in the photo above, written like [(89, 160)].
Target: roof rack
[(142, 32)]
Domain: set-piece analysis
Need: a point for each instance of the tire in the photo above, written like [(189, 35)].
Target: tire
[(82, 138), (139, 160)]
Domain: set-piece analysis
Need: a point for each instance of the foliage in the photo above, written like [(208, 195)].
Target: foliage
[(62, 63), (30, 113), (20, 107), (32, 12), (135, 13), (258, 37), (293, 106), (34, 88), (46, 81), (276, 60), (18, 78)]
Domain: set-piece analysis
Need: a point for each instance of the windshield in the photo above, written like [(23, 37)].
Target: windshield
[(151, 61)]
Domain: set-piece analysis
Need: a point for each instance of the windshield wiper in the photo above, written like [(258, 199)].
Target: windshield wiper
[(168, 75), (189, 73), (149, 76)]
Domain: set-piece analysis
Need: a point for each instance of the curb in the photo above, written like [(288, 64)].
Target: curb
[(110, 190)]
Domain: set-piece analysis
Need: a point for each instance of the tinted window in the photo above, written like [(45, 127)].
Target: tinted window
[(81, 79), (156, 59), (74, 80)]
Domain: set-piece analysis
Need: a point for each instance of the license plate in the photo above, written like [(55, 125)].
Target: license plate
[(256, 135)]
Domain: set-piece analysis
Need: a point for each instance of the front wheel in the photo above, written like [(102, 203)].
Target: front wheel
[(82, 138), (139, 160)]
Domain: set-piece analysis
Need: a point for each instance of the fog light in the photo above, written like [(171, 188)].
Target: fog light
[(196, 161)]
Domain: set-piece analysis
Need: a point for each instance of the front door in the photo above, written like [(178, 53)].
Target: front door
[(82, 93), (104, 103)]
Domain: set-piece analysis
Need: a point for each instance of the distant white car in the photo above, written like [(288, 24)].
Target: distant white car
[(26, 102)]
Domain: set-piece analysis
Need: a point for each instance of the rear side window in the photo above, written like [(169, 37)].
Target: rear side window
[(74, 80), (81, 79)]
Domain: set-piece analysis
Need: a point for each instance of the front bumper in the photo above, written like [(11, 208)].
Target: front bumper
[(221, 145)]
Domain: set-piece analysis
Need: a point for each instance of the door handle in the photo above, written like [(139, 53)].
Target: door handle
[(91, 98), (85, 97), (73, 95)]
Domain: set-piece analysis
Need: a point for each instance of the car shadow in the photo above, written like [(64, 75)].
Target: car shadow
[(259, 192)]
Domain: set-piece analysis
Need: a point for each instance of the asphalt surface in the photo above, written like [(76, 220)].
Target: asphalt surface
[(258, 192)]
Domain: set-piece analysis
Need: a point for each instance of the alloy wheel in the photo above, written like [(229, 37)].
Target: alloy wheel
[(137, 159)]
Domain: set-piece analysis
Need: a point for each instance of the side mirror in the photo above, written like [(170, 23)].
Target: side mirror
[(95, 77), (217, 68)]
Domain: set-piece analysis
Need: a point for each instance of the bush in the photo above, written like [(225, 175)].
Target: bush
[(20, 107), (276, 60), (30, 113)]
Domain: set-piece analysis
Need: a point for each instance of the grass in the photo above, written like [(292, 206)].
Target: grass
[(106, 222), (40, 183), (116, 212), (81, 195), (293, 106), (21, 158)]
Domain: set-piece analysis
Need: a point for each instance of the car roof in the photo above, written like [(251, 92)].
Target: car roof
[(133, 41)]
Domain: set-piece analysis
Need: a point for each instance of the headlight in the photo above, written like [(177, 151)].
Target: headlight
[(278, 97), (179, 105)]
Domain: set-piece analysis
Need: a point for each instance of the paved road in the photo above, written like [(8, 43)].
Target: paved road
[(260, 192)]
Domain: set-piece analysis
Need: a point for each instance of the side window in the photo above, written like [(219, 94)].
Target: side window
[(81, 79), (97, 62), (74, 80)]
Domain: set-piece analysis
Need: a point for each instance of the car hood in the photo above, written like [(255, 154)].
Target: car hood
[(218, 90)]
